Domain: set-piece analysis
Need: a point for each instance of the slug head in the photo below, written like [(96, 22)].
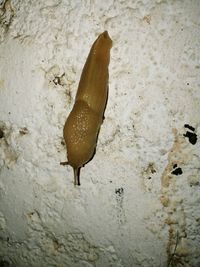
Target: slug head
[(101, 47)]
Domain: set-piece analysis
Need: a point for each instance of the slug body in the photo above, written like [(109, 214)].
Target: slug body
[(83, 124)]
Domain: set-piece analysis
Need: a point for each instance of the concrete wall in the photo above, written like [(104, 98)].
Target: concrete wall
[(139, 199)]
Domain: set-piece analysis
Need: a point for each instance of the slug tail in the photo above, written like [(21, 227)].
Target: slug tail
[(76, 176)]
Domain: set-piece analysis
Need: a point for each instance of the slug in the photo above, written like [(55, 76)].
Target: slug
[(83, 123)]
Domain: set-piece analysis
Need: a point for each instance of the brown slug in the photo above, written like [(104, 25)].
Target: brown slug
[(83, 123)]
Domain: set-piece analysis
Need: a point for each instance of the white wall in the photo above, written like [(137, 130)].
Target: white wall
[(130, 209)]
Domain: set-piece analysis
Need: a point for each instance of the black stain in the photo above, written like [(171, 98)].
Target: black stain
[(189, 127), (191, 135), (119, 191), (177, 170)]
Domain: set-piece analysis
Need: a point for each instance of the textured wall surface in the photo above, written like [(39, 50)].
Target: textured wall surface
[(138, 203)]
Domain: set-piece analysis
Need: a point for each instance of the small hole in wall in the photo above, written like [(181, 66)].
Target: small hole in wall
[(62, 143), (119, 191)]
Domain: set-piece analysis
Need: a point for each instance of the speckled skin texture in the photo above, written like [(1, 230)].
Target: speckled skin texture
[(80, 133), (139, 197)]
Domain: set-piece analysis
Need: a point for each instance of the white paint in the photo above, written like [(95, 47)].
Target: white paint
[(130, 210)]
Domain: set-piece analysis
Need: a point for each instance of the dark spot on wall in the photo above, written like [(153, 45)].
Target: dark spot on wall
[(58, 80), (4, 263), (149, 170), (119, 191), (62, 143), (177, 170), (119, 208), (23, 131), (193, 180), (1, 133), (189, 127), (191, 135), (147, 19), (56, 245)]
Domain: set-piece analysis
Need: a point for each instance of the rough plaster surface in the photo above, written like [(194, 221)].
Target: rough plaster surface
[(138, 204)]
